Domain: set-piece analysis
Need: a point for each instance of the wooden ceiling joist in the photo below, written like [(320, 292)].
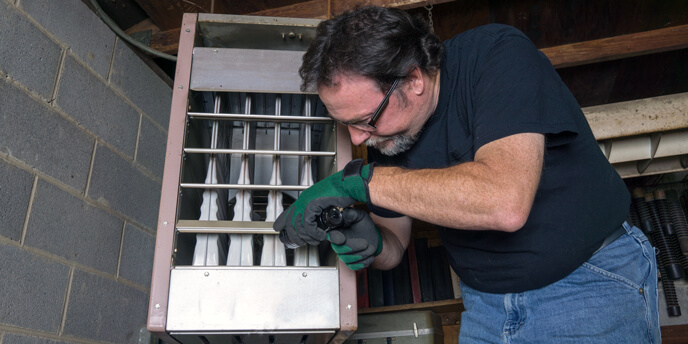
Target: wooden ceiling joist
[(606, 49), (613, 48), (323, 9)]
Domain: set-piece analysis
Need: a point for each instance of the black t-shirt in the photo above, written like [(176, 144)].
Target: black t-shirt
[(495, 83)]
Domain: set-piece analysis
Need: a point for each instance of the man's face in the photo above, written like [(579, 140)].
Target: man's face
[(354, 99)]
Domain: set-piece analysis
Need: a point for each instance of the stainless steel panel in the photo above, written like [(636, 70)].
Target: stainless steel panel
[(252, 227), (246, 70), (260, 117), (278, 299), (256, 32), (257, 152)]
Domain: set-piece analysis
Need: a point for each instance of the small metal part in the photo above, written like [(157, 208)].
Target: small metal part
[(304, 274), (292, 35), (206, 274)]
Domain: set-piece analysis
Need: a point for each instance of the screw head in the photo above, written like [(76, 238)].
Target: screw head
[(188, 30), (304, 274), (206, 274), (157, 306)]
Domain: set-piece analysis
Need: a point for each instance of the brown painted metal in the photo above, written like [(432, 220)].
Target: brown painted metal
[(348, 308), (157, 308)]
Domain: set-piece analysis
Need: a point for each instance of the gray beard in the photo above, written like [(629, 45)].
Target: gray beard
[(400, 143)]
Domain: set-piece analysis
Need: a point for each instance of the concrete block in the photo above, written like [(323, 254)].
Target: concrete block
[(26, 53), (15, 192), (21, 339), (72, 229), (95, 106), (136, 263), (75, 25), (118, 184), (33, 290), (152, 147), (103, 310), (42, 139), (141, 85)]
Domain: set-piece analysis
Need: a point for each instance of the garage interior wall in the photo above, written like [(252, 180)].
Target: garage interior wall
[(82, 148)]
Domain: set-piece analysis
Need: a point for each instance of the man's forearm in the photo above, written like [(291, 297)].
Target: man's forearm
[(495, 192)]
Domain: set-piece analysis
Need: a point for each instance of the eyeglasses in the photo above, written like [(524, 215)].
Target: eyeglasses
[(370, 126)]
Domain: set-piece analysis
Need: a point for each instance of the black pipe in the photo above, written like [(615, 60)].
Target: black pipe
[(673, 308)]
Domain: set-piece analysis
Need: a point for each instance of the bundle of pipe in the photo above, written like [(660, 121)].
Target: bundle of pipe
[(669, 228), (667, 265), (678, 219)]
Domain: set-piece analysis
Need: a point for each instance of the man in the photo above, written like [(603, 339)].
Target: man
[(479, 136)]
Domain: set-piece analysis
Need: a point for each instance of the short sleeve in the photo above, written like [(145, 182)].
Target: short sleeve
[(516, 90)]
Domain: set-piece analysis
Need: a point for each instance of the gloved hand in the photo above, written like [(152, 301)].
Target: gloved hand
[(358, 241), (341, 189)]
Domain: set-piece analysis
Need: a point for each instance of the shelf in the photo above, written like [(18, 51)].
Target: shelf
[(444, 306)]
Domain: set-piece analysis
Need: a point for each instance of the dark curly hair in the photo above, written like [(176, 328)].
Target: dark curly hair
[(380, 43)]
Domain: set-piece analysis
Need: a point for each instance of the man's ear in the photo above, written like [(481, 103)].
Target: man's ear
[(416, 81)]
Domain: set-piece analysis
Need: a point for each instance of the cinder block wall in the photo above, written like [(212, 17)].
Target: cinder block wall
[(83, 128)]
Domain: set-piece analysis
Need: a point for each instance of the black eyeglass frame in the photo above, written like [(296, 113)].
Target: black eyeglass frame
[(378, 112)]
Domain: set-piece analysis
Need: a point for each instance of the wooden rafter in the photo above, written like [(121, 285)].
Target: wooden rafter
[(167, 14), (613, 48), (606, 49), (329, 8)]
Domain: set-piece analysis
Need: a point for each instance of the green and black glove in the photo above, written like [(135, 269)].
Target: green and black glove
[(358, 241), (342, 189)]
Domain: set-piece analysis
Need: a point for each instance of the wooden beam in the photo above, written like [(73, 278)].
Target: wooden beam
[(613, 48), (319, 8), (315, 9), (167, 14)]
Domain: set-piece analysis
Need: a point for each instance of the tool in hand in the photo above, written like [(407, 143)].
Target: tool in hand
[(330, 218)]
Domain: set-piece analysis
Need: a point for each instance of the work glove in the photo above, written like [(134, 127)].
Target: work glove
[(342, 189), (357, 241)]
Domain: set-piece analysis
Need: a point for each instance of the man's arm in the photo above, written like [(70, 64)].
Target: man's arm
[(494, 192), (396, 233)]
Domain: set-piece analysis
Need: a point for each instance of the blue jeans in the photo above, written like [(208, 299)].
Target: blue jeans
[(611, 298)]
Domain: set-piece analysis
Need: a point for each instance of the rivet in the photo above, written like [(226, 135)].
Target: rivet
[(641, 290), (180, 87), (206, 274), (157, 306), (188, 30), (348, 306), (304, 274), (165, 223)]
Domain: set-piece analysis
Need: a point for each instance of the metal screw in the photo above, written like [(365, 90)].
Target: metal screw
[(188, 30), (304, 274), (180, 87), (157, 306), (164, 223), (348, 306), (206, 274), (292, 35), (215, 51)]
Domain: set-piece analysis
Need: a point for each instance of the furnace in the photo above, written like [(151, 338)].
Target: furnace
[(243, 142)]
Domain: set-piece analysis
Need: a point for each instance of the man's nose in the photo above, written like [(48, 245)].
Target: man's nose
[(358, 136)]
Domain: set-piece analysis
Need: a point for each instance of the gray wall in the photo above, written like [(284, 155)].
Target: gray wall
[(83, 128)]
